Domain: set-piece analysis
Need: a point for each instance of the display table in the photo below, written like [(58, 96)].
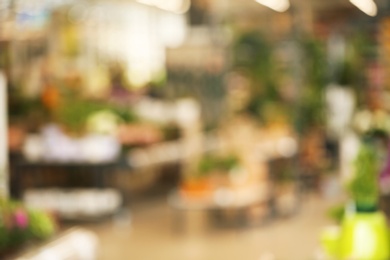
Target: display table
[(244, 191)]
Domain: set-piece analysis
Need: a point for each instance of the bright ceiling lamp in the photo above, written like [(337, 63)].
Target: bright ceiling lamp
[(175, 6), (366, 6), (276, 5)]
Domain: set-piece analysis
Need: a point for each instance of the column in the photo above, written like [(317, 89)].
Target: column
[(3, 137)]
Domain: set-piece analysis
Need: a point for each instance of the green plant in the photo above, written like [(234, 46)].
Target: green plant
[(337, 213), (311, 106), (74, 114), (364, 185), (254, 57), (212, 163), (19, 225)]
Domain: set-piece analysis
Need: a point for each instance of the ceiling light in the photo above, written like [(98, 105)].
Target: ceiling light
[(367, 6), (175, 6), (276, 5)]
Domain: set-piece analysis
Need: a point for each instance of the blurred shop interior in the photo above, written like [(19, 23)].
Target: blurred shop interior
[(194, 129)]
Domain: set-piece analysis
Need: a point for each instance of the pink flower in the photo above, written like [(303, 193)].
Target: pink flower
[(21, 218)]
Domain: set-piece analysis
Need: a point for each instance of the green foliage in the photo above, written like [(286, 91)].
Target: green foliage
[(19, 225), (26, 109), (360, 49), (206, 165), (255, 57), (125, 113), (211, 163), (41, 225), (364, 186), (253, 54), (337, 213), (314, 59), (312, 101), (74, 114)]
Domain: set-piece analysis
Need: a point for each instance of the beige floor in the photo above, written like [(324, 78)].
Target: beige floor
[(147, 233)]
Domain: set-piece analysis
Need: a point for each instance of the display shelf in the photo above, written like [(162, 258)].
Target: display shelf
[(76, 204), (74, 191), (42, 174)]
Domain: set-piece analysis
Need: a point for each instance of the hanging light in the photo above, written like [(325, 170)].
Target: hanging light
[(366, 6), (276, 5)]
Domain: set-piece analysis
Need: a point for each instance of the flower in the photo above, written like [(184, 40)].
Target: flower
[(21, 218), (19, 225)]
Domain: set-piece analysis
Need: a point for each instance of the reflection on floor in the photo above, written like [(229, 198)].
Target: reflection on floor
[(147, 232)]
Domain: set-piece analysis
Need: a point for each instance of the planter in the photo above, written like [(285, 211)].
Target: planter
[(363, 236)]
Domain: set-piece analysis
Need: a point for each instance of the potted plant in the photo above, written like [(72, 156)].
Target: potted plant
[(212, 173), (364, 232), (20, 225)]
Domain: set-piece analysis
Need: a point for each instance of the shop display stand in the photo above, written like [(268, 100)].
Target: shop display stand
[(72, 170), (253, 202), (62, 179)]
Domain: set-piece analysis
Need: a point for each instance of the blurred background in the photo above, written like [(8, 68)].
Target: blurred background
[(189, 129)]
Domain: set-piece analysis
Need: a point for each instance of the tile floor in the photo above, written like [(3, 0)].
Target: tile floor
[(146, 231)]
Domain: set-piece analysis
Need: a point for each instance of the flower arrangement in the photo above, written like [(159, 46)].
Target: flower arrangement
[(19, 225)]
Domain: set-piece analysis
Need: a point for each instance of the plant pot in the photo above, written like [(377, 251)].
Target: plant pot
[(363, 236)]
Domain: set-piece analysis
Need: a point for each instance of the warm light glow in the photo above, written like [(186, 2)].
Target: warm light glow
[(276, 5), (175, 6), (367, 6)]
